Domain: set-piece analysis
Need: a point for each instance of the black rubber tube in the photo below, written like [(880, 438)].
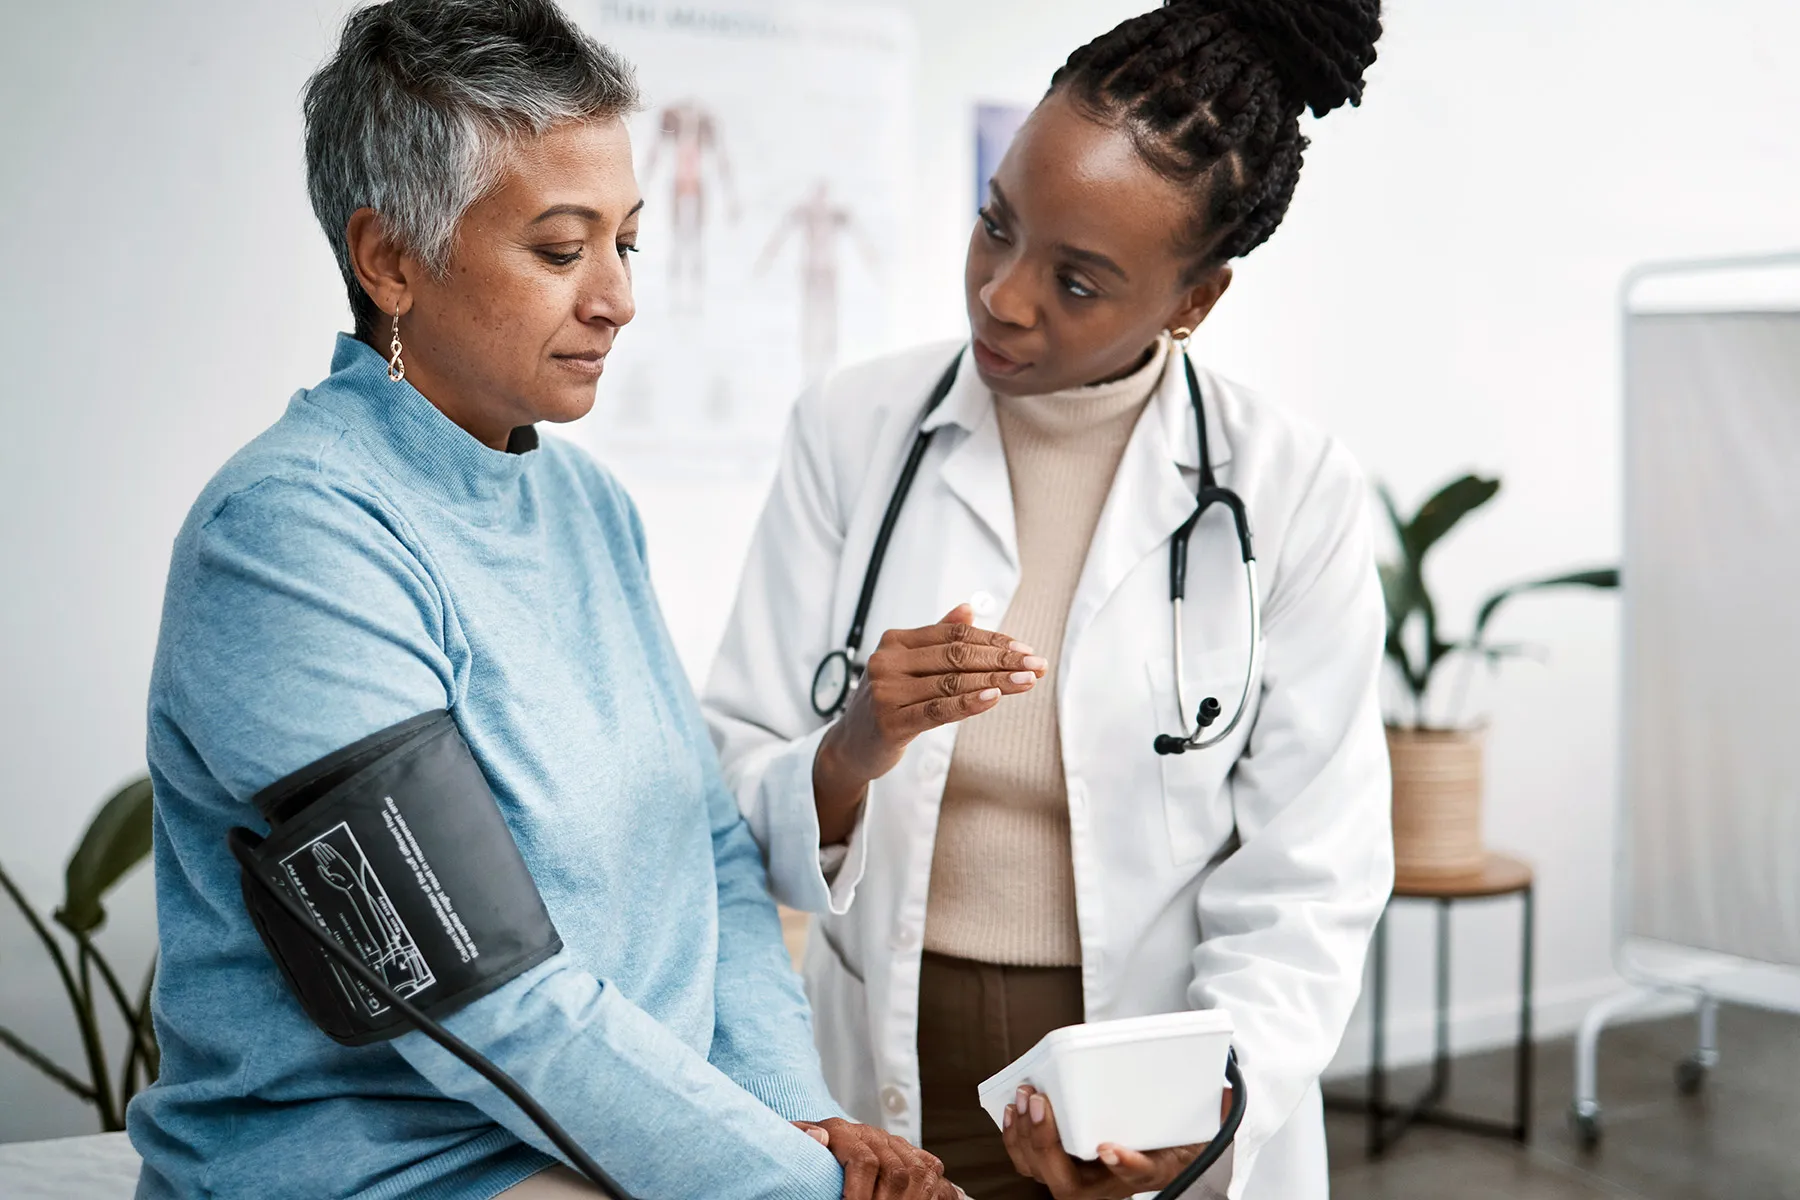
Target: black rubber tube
[(1191, 1174), (476, 1061)]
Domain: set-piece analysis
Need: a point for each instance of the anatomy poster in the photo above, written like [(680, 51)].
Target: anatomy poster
[(773, 155)]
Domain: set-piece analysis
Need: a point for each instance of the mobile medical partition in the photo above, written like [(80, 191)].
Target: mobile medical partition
[(1708, 881)]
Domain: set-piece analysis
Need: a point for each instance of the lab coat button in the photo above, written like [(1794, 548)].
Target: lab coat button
[(907, 937), (983, 603), (893, 1099)]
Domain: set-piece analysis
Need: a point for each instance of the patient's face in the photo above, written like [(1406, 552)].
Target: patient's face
[(1073, 268), (538, 287)]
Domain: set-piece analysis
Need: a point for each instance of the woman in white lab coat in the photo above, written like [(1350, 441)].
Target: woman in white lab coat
[(993, 845)]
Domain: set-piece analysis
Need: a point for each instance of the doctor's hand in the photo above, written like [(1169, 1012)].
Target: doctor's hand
[(879, 1166), (917, 679), (1037, 1153)]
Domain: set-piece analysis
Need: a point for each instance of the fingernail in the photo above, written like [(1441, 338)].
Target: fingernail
[(1037, 1110), (819, 1136), (1023, 677), (1021, 648), (1006, 1120), (1021, 1100), (1110, 1157), (989, 694), (1034, 663)]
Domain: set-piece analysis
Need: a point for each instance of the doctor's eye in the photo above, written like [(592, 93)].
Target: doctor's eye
[(560, 258), (991, 226), (1076, 287), (625, 248)]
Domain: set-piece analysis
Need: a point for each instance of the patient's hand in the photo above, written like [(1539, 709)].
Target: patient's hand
[(879, 1166)]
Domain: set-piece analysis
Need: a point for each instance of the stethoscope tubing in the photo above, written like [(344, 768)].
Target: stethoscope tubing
[(838, 673), (1221, 1141), (1196, 739)]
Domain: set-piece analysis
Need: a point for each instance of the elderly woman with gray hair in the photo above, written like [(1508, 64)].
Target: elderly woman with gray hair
[(402, 541)]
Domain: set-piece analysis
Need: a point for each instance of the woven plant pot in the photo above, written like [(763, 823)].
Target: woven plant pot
[(1437, 800)]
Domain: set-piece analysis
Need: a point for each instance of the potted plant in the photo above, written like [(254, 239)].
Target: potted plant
[(116, 841), (1437, 764)]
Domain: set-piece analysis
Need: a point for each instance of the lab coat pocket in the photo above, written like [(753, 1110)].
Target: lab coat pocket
[(1196, 800)]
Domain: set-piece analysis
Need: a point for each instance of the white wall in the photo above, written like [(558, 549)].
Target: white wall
[(1441, 296), (164, 292)]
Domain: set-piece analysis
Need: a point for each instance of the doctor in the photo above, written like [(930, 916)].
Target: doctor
[(978, 805)]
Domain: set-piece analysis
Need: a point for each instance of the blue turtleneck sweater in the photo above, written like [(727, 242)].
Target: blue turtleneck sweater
[(365, 560)]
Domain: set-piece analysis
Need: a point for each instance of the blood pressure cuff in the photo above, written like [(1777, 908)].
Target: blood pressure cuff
[(397, 848)]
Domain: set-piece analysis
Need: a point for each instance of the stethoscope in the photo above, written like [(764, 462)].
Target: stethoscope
[(839, 672)]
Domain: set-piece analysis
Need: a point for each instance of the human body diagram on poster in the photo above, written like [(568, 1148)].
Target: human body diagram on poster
[(773, 157)]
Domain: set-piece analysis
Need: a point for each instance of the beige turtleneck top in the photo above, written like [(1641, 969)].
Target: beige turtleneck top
[(1002, 875)]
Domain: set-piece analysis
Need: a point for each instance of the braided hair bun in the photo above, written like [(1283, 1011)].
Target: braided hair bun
[(1211, 92), (1320, 48)]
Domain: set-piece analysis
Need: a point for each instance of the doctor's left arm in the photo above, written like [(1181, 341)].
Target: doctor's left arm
[(301, 623), (1285, 919)]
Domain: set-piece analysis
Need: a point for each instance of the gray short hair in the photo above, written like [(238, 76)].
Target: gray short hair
[(414, 113)]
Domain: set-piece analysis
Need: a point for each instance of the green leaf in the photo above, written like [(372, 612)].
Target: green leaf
[(1398, 592), (1393, 512), (1396, 654), (116, 841), (1496, 655), (1438, 515), (1436, 653), (1605, 578)]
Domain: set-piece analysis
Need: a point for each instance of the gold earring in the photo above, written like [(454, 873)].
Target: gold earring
[(396, 368), (1182, 335)]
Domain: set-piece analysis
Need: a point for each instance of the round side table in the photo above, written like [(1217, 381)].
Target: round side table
[(1500, 876)]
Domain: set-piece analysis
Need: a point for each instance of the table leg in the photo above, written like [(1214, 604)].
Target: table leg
[(1377, 1030), (1440, 1063), (1522, 1081)]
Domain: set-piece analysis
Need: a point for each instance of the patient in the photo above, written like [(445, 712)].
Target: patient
[(401, 541)]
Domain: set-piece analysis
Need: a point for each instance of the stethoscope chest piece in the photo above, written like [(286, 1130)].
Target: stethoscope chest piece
[(832, 683)]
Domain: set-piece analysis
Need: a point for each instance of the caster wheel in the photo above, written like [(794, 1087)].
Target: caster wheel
[(1587, 1127), (1690, 1077)]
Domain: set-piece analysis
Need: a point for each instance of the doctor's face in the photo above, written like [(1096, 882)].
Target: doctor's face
[(1073, 267)]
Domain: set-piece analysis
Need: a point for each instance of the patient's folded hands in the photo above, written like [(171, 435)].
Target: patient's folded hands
[(879, 1166)]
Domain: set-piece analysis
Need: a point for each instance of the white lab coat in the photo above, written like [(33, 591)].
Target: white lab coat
[(1246, 877)]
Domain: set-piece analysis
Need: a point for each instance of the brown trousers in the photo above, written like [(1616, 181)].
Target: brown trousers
[(975, 1018)]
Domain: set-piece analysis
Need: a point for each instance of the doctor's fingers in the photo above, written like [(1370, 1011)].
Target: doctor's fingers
[(908, 690), (1036, 1149), (902, 724), (1012, 1135), (1139, 1171), (954, 658), (952, 633)]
